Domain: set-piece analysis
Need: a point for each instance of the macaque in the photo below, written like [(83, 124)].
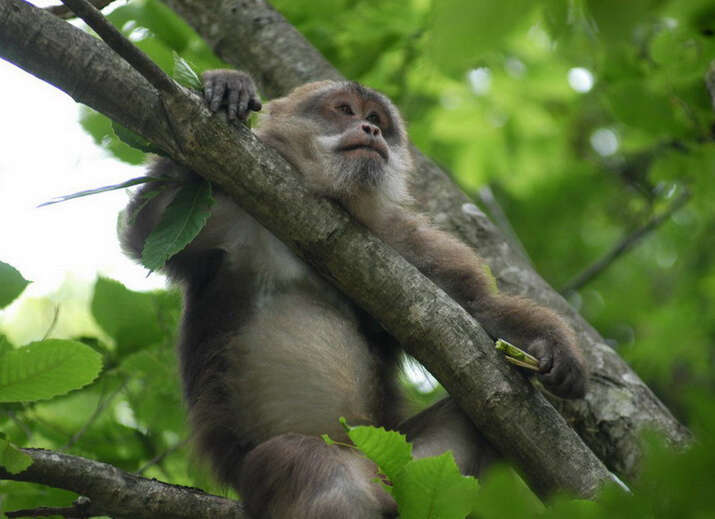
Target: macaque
[(272, 355)]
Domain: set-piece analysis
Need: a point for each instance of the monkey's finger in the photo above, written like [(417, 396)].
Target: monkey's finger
[(208, 88), (243, 105), (233, 102), (219, 90), (554, 379), (255, 104), (542, 350)]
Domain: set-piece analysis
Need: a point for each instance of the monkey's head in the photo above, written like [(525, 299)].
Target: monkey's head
[(348, 140)]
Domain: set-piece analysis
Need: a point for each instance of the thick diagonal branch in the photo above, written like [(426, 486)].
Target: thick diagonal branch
[(437, 331), (252, 36)]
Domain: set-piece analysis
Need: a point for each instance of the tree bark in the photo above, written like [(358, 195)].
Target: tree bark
[(252, 36), (517, 419)]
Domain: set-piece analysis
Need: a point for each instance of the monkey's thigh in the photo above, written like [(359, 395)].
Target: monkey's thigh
[(444, 426), (297, 367)]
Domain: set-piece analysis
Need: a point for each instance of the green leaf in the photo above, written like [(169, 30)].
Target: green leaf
[(88, 192), (389, 449), (185, 74), (634, 103), (100, 128), (130, 318), (432, 488), (183, 219), (11, 284), (616, 19), (504, 494), (464, 30), (134, 139), (45, 369), (12, 458)]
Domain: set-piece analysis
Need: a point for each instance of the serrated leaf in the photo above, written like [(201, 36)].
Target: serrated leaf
[(11, 284), (389, 449), (182, 220), (104, 189), (433, 488), (184, 74), (130, 318), (46, 369), (12, 458), (134, 139)]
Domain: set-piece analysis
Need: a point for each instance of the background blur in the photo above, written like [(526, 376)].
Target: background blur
[(588, 122)]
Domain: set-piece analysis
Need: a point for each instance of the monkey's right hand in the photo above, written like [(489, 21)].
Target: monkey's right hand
[(232, 89)]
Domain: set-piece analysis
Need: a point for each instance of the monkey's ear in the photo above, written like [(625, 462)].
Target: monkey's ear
[(233, 90)]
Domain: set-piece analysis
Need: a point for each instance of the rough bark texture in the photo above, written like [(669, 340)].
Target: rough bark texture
[(252, 36), (517, 419), (122, 494)]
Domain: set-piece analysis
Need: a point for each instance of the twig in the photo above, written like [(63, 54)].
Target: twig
[(623, 246), (20, 424), (160, 457), (52, 325), (101, 406), (80, 509), (62, 11), (122, 46)]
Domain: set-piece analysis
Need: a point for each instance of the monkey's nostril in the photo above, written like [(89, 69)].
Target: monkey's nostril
[(367, 129)]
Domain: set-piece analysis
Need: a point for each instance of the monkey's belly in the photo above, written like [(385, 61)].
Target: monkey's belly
[(298, 366)]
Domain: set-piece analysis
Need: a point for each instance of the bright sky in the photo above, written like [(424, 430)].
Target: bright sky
[(45, 153)]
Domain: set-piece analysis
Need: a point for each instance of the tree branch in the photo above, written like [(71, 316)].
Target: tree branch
[(254, 37), (434, 329), (120, 494), (122, 46), (64, 12), (624, 245)]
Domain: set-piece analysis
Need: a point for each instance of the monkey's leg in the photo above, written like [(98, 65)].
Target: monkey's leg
[(444, 426), (294, 370), (294, 475)]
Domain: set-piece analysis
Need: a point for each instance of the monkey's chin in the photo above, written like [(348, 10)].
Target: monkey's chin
[(367, 172)]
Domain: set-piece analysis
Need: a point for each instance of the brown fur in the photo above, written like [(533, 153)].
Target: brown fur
[(272, 355)]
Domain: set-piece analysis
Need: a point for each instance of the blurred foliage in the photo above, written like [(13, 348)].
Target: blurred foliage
[(587, 118)]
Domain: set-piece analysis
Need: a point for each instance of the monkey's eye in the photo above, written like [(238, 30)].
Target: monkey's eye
[(345, 108), (374, 119)]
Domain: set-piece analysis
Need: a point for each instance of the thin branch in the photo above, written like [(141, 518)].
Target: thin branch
[(121, 494), (20, 424), (624, 245), (79, 509), (70, 512), (101, 406), (162, 455), (122, 46), (64, 12), (55, 317)]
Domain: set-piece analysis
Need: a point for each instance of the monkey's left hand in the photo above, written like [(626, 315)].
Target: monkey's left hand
[(543, 334), (233, 89)]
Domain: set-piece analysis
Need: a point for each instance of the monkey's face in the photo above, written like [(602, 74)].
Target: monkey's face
[(362, 140), (352, 139)]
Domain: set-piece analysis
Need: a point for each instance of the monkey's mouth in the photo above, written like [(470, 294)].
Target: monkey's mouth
[(374, 149)]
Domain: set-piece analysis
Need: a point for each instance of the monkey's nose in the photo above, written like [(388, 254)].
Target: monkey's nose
[(370, 129)]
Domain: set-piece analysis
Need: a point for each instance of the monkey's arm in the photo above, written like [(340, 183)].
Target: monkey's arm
[(459, 271)]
